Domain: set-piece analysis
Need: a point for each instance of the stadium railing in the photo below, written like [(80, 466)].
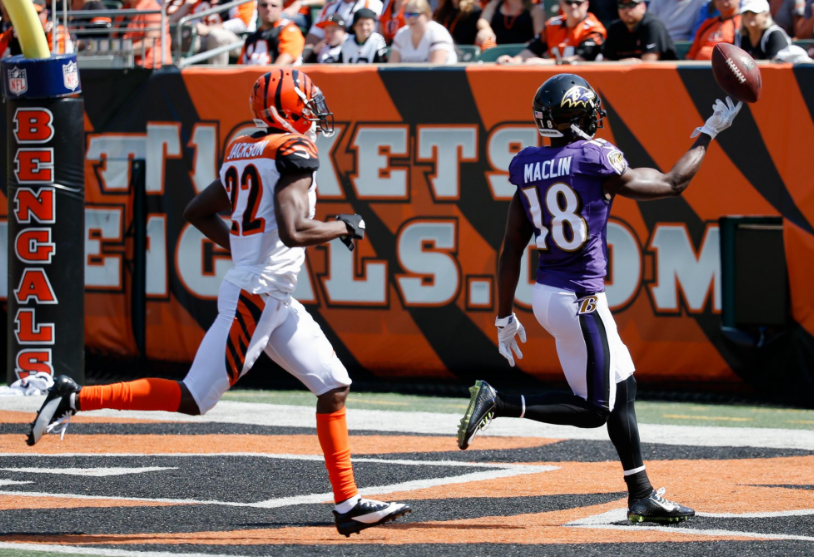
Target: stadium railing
[(187, 58), (95, 48)]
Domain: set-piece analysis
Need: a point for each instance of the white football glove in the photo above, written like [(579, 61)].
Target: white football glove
[(722, 118), (507, 328)]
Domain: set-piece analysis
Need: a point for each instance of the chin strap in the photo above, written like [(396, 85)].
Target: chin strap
[(581, 133)]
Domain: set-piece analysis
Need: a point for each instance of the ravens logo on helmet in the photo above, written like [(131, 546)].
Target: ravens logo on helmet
[(566, 106)]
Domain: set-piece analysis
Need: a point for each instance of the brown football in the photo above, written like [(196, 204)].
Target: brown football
[(736, 72)]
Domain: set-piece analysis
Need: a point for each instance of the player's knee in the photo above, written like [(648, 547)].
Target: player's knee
[(333, 400), (598, 416), (188, 405)]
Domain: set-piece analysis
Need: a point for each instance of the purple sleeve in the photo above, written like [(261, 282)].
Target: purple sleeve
[(602, 160), (516, 169)]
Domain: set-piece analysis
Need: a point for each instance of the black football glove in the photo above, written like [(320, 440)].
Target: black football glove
[(356, 229)]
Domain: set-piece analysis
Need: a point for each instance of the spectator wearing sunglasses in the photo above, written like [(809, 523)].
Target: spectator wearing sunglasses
[(637, 36), (422, 40), (278, 41), (574, 36)]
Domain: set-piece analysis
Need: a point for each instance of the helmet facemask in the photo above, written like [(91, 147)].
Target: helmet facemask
[(316, 110)]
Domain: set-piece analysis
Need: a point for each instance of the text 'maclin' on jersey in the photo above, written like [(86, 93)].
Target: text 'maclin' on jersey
[(546, 170)]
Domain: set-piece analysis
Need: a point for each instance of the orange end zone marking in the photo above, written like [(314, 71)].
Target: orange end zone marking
[(260, 444)]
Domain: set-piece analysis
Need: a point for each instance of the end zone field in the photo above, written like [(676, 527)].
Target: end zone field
[(248, 479)]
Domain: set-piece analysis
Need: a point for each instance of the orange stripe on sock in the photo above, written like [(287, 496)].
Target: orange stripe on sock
[(143, 394), (332, 431)]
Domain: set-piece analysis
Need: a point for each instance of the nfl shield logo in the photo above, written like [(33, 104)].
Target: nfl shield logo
[(70, 77), (17, 83)]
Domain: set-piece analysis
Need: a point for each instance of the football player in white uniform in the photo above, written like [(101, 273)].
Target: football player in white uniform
[(267, 181)]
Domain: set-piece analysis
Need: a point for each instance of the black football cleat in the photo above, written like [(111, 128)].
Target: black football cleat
[(367, 514), (656, 508), (56, 411), (479, 414)]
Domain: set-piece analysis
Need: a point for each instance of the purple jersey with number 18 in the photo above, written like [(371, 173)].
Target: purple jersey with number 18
[(561, 189)]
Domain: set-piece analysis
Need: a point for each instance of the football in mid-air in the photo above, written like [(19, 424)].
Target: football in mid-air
[(736, 72)]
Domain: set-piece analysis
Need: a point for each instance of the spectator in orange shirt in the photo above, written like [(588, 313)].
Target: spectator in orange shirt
[(721, 29), (148, 39), (572, 37), (214, 31), (278, 41), (391, 19)]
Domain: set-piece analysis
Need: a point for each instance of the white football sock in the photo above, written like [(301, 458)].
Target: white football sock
[(347, 505)]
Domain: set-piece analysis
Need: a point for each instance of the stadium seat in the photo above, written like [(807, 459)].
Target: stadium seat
[(804, 43), (112, 4), (552, 8), (682, 48), (467, 53), (492, 54)]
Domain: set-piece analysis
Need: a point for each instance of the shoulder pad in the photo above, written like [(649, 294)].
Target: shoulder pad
[(296, 153)]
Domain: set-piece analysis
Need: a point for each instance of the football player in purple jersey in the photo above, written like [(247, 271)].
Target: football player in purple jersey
[(563, 199)]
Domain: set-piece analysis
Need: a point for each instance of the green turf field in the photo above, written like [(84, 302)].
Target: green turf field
[(677, 413), (25, 553)]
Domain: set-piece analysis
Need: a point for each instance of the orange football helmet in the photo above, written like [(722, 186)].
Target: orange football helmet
[(287, 100)]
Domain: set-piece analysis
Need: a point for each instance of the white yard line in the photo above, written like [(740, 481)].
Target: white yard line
[(608, 521), (698, 532), (433, 423), (493, 472), (413, 485), (94, 472), (775, 514)]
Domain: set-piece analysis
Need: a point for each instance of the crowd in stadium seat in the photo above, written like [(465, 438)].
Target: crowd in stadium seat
[(292, 32)]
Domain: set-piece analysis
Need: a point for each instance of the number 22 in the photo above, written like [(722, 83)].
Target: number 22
[(250, 180)]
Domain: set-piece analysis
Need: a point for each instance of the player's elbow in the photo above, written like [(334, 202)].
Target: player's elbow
[(677, 189), (290, 237)]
